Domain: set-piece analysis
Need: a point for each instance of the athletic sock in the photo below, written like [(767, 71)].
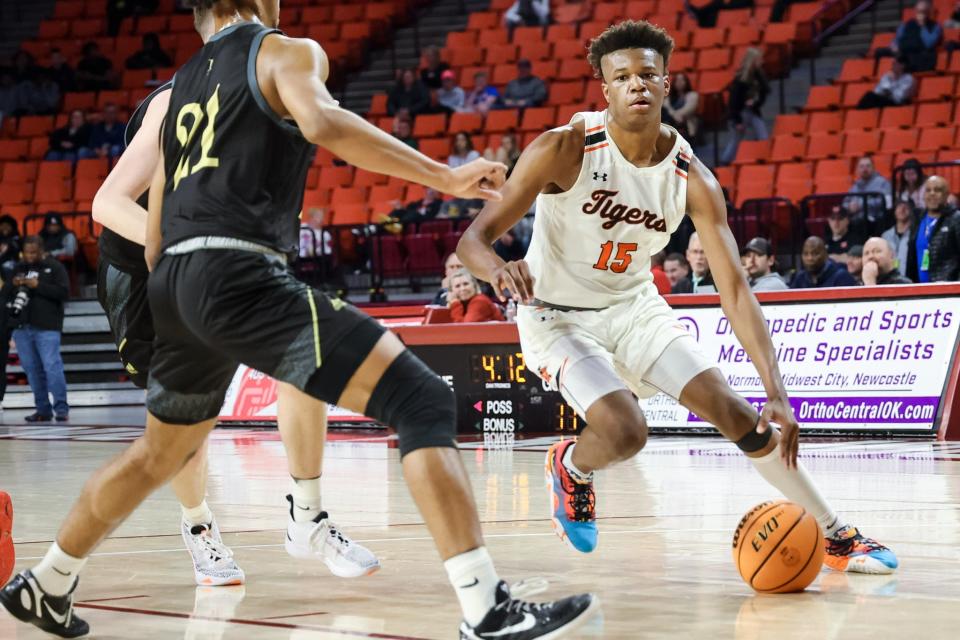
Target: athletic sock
[(475, 581), (58, 571), (306, 499), (198, 515), (797, 486), (567, 462)]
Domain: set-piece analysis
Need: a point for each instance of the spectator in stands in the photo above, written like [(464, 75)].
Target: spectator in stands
[(701, 280), (878, 264), (451, 265), (58, 241), (44, 94), (403, 131), (855, 262), (40, 286), (935, 245), (912, 183), (151, 54), (953, 20), (409, 94), (117, 10), (748, 92), (425, 208), (463, 151), (843, 234), (508, 152), (9, 246), (62, 71), (11, 104), (818, 269), (509, 247), (94, 71), (680, 107), (705, 11), (526, 90), (483, 97), (467, 303), (527, 13), (868, 180), (898, 236), (450, 97), (678, 273), (895, 88), (24, 66), (916, 40), (106, 137), (71, 142), (760, 264), (660, 278), (432, 74)]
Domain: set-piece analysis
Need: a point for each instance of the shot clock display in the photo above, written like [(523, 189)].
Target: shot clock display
[(497, 395)]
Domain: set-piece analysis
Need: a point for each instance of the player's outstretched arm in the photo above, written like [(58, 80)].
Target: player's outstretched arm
[(115, 205), (545, 165), (708, 210), (292, 72)]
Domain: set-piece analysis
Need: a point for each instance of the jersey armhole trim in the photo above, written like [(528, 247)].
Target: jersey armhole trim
[(583, 162), (255, 86)]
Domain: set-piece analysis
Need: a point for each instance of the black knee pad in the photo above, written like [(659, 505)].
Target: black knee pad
[(414, 400), (755, 441)]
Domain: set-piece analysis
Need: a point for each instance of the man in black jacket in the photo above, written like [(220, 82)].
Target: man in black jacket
[(935, 240), (39, 288)]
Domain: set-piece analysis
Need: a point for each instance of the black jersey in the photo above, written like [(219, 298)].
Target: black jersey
[(233, 167), (125, 255)]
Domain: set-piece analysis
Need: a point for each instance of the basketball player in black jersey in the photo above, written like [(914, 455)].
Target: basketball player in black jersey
[(224, 208), (122, 290)]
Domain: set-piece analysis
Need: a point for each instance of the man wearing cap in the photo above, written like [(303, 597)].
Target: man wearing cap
[(878, 266), (449, 95), (843, 234), (58, 241), (759, 260), (527, 90)]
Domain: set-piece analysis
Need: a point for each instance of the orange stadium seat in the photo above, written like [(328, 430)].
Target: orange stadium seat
[(861, 119), (860, 143), (347, 12), (709, 38), (29, 126), (711, 59), (501, 120), (488, 38), (68, 9), (436, 148), (527, 34), (464, 57), (857, 70), (354, 214), (640, 9), (566, 92), (469, 122), (27, 171), (824, 145), (378, 105), (829, 121), (854, 91), (538, 119), (791, 123), (683, 61), (429, 124), (500, 54), (13, 149), (795, 180), (897, 140), (752, 151), (92, 168), (569, 49), (85, 189), (892, 117), (938, 114), (742, 34), (332, 177), (823, 97), (316, 199), (937, 88), (53, 29), (538, 50), (558, 32), (788, 148), (936, 138), (574, 69), (608, 12), (482, 20)]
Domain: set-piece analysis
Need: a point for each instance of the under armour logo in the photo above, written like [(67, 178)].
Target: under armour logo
[(597, 176)]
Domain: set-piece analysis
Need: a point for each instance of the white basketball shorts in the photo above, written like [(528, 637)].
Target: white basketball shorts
[(638, 345)]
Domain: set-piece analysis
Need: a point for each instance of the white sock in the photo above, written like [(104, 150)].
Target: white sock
[(572, 468), (306, 499), (797, 486), (197, 515), (57, 572), (475, 581)]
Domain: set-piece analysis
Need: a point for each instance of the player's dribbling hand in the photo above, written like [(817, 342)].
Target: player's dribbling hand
[(479, 179), (513, 277), (779, 411)]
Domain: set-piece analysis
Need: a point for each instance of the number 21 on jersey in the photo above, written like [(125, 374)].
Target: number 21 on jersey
[(185, 135), (622, 259)]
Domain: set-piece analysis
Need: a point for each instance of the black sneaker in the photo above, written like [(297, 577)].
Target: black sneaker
[(53, 614), (518, 620), (63, 417), (38, 417)]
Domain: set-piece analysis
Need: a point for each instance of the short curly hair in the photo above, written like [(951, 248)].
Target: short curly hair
[(629, 34)]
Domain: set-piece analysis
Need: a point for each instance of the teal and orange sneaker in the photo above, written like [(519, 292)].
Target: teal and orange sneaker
[(849, 551), (572, 502)]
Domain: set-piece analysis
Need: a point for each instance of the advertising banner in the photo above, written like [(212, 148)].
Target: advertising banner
[(847, 366)]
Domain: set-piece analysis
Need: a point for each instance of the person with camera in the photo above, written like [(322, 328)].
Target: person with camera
[(35, 296)]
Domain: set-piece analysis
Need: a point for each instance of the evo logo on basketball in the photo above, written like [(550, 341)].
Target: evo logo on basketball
[(614, 213), (765, 531)]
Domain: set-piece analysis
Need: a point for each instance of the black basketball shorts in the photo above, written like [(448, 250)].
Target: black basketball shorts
[(123, 297), (214, 309)]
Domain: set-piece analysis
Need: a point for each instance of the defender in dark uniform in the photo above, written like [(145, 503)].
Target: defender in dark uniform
[(223, 216)]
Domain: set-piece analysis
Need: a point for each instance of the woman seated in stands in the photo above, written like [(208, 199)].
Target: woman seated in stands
[(467, 304), (910, 188), (451, 266), (507, 153), (463, 151), (680, 107)]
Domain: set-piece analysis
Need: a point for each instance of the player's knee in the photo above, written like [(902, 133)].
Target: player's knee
[(417, 403), (632, 436)]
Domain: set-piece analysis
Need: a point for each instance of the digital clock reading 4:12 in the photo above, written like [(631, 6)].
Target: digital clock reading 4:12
[(498, 367)]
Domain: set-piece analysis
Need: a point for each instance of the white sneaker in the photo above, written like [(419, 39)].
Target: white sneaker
[(321, 539), (213, 564)]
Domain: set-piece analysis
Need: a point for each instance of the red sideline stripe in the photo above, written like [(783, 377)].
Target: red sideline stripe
[(599, 146)]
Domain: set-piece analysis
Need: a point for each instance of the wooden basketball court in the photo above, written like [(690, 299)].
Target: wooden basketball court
[(663, 567)]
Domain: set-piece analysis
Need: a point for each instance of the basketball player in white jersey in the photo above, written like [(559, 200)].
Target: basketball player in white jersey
[(302, 420), (611, 187)]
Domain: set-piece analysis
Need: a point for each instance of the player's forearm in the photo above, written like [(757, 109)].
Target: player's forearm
[(750, 327), (475, 251), (121, 215), (153, 240), (361, 144)]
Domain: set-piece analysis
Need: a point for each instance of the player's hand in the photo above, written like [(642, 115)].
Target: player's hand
[(479, 179), (514, 277), (778, 411)]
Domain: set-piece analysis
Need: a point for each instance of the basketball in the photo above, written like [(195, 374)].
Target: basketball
[(778, 547)]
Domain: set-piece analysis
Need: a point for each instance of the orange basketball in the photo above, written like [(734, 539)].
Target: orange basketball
[(778, 547)]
